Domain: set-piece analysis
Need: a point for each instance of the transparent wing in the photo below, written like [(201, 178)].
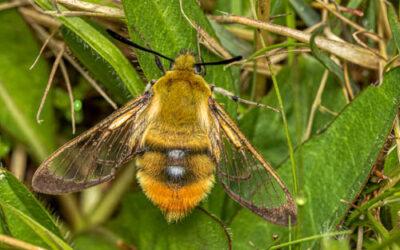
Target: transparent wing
[(247, 177), (93, 157)]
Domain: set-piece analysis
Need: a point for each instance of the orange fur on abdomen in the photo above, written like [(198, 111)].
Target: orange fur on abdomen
[(175, 202)]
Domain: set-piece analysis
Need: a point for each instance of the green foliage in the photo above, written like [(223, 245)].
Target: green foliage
[(334, 162), (23, 217), (21, 89)]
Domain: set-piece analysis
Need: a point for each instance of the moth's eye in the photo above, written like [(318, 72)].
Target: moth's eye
[(198, 69)]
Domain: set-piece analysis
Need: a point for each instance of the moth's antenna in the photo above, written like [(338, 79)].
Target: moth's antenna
[(135, 45), (233, 59)]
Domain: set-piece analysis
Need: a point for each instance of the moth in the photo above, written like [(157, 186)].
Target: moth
[(182, 140)]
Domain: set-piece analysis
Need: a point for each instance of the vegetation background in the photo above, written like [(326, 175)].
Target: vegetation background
[(330, 66)]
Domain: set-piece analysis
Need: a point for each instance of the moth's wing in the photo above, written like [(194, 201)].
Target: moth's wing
[(247, 177), (93, 156)]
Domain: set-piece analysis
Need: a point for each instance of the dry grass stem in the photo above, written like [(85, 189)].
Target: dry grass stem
[(49, 83), (324, 109), (206, 39), (245, 34), (13, 4), (42, 48), (18, 162), (348, 21), (56, 46), (68, 13), (70, 94), (92, 7), (347, 81), (360, 234), (352, 11), (18, 244), (39, 18), (347, 51), (397, 136), (315, 105)]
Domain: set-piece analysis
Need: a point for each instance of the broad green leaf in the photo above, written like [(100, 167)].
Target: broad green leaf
[(304, 10), (94, 241), (394, 25), (111, 57), (325, 59), (231, 42), (161, 25), (21, 89), (298, 84), (336, 165), (100, 68), (140, 223), (17, 204), (241, 8), (37, 234)]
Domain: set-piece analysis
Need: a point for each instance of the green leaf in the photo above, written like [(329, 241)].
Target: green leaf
[(112, 58), (161, 25), (298, 84), (303, 9), (394, 25), (4, 147), (323, 58), (336, 165), (140, 223), (93, 241), (22, 216), (21, 89), (100, 68), (43, 237)]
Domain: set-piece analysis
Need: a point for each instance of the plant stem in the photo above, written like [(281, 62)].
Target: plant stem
[(285, 125), (314, 237)]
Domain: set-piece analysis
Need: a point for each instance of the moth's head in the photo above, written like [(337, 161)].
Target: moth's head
[(185, 62)]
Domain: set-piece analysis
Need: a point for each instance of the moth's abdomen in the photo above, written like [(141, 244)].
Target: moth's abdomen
[(175, 179)]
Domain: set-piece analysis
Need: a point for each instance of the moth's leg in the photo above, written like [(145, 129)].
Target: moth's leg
[(236, 98), (149, 85), (159, 64)]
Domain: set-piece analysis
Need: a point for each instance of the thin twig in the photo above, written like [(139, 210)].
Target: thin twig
[(347, 51), (286, 128), (316, 104), (360, 234), (12, 4), (347, 81), (18, 162), (74, 13), (92, 7), (324, 109), (43, 48), (397, 136), (352, 11), (348, 21), (39, 18), (206, 39), (314, 237), (19, 244), (56, 46), (70, 94), (49, 83)]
